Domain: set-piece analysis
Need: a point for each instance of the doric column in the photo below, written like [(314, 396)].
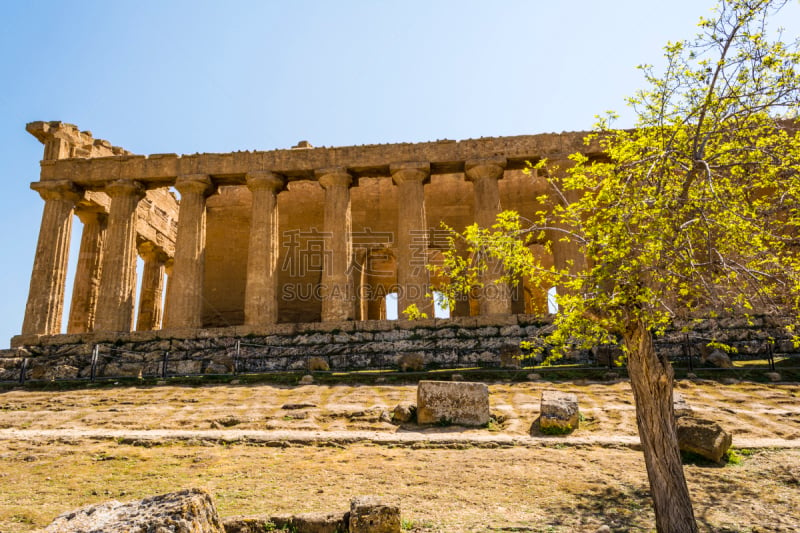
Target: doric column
[(412, 240), (185, 297), (45, 305), (118, 280), (495, 296), (152, 292), (567, 255), (86, 287), (337, 303), (261, 291)]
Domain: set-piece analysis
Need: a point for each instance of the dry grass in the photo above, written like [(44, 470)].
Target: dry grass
[(557, 488)]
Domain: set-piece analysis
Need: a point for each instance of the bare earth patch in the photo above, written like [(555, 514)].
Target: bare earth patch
[(263, 449)]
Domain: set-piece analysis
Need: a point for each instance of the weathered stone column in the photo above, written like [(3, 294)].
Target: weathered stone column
[(261, 291), (495, 296), (413, 278), (567, 255), (118, 280), (185, 296), (337, 303), (45, 306), (152, 292), (86, 287)]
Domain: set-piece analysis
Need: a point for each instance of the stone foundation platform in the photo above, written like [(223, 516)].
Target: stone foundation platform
[(347, 345)]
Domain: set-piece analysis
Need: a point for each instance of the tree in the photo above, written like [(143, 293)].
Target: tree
[(694, 211)]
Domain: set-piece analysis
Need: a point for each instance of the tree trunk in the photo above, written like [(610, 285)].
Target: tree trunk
[(651, 380)]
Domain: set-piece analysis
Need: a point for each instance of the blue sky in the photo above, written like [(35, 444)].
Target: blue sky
[(199, 76)]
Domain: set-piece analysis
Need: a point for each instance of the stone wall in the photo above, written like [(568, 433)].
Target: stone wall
[(351, 345)]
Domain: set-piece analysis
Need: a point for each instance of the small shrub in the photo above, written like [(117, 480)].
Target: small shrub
[(412, 312)]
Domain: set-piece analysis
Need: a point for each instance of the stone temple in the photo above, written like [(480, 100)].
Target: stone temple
[(254, 239)]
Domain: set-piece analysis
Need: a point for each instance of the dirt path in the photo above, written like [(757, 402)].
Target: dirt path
[(444, 439)]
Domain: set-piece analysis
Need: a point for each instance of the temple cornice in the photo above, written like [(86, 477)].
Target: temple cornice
[(361, 161)]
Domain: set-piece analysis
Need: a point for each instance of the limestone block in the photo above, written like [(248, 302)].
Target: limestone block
[(404, 412), (559, 412), (303, 523), (462, 403), (703, 437), (185, 367), (187, 511), (318, 523), (122, 370), (368, 514)]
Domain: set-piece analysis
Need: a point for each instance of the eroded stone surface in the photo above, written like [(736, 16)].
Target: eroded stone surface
[(559, 412), (462, 403), (703, 437), (187, 511), (368, 514)]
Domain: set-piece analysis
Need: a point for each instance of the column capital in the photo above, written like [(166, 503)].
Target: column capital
[(194, 183), (125, 188), (151, 252), (265, 179), (410, 171), (57, 190), (478, 169), (90, 213), (334, 177)]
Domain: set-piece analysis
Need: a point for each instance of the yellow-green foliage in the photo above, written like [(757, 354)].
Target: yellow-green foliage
[(695, 206), (412, 312)]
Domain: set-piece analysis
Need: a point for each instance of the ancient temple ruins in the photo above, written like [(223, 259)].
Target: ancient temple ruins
[(261, 238)]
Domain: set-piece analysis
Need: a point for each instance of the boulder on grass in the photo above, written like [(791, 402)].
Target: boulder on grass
[(559, 412), (187, 511), (368, 514), (452, 402), (718, 358), (703, 437)]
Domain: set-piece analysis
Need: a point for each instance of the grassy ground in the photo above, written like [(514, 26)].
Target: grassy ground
[(561, 486)]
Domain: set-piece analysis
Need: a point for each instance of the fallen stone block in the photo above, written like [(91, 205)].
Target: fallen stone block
[(703, 437), (369, 514), (404, 412), (460, 402), (717, 358), (559, 412), (187, 511)]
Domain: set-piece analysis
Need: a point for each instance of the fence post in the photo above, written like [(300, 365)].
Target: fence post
[(164, 365), (236, 356), (687, 350), (770, 356), (22, 371), (95, 354)]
